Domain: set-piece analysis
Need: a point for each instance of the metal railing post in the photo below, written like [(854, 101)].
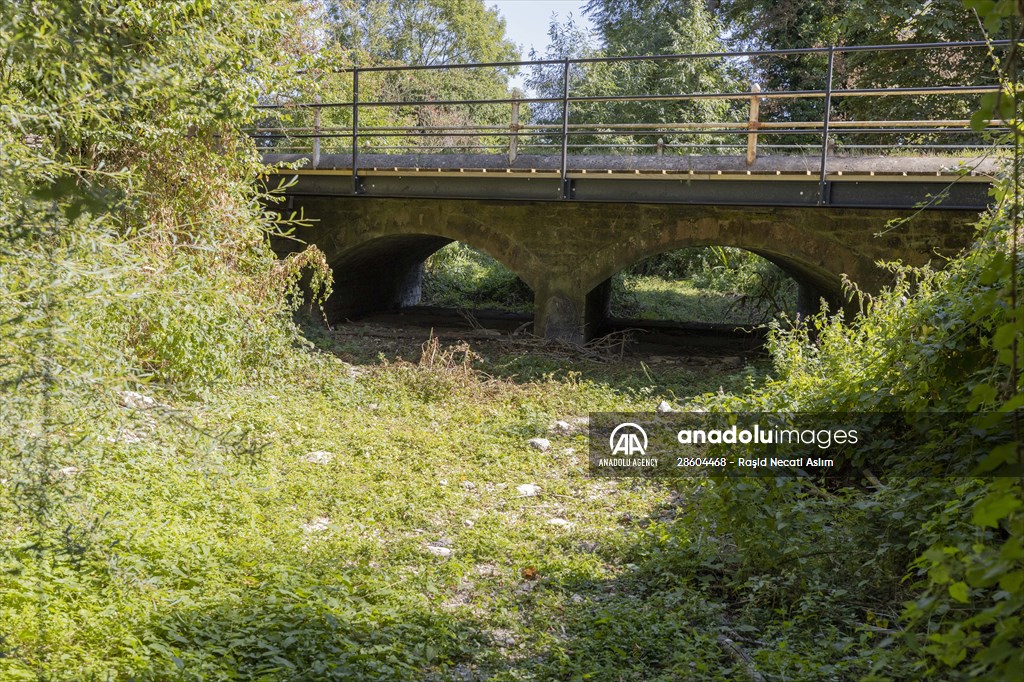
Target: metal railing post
[(822, 185), (513, 138), (316, 133), (752, 124), (565, 130), (355, 130)]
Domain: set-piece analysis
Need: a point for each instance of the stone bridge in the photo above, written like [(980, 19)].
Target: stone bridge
[(566, 234)]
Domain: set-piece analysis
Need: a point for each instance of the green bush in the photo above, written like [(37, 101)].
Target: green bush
[(950, 550), (705, 284), (459, 276)]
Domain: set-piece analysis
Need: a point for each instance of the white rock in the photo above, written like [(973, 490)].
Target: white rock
[(468, 485), (528, 490), (561, 427), (126, 436), (319, 457), (577, 599), (318, 524), (136, 401), (468, 523), (542, 444), (664, 407), (439, 550), (503, 638), (559, 522), (63, 472), (442, 481)]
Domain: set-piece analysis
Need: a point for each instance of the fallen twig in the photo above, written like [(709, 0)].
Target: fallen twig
[(740, 656)]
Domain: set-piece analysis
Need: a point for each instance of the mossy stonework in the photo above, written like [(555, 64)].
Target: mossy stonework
[(566, 251)]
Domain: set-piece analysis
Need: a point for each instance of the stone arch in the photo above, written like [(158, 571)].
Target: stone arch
[(377, 255), (384, 273), (809, 253), (808, 257)]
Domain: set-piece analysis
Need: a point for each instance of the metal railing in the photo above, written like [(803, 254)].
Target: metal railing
[(560, 131)]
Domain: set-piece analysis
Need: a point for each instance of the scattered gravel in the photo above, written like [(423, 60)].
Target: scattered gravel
[(320, 523), (319, 457)]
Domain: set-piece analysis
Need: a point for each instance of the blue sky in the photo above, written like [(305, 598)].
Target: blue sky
[(526, 21)]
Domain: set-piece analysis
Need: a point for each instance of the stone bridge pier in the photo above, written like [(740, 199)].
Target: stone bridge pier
[(567, 252)]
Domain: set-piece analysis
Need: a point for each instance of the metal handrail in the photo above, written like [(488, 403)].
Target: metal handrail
[(563, 129), (893, 47)]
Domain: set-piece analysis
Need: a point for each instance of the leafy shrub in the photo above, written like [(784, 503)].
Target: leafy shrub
[(949, 549), (705, 284), (459, 276)]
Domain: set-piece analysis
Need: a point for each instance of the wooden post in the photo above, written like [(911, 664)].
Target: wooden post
[(513, 138), (660, 149), (316, 130), (752, 124)]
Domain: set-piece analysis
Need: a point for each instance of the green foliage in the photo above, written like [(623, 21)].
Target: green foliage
[(195, 528), (278, 529), (792, 24), (397, 33), (949, 550), (133, 252), (692, 29), (422, 31), (704, 284), (935, 341), (459, 276)]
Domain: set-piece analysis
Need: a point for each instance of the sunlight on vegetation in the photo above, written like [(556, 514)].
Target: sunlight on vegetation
[(722, 285), (459, 276), (193, 489)]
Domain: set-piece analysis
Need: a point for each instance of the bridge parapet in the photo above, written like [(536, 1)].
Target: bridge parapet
[(881, 182), (580, 131)]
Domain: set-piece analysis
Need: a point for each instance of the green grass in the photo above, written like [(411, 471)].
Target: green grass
[(657, 298), (216, 550), (721, 285), (652, 297)]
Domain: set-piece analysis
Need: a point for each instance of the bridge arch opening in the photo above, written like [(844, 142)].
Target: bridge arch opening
[(710, 285), (707, 288), (461, 277), (432, 274)]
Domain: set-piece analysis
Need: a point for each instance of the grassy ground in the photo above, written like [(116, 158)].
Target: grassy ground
[(365, 521), (657, 298), (458, 276)]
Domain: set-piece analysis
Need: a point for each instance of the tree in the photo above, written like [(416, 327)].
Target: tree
[(423, 32), (790, 24), (370, 33), (640, 28)]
